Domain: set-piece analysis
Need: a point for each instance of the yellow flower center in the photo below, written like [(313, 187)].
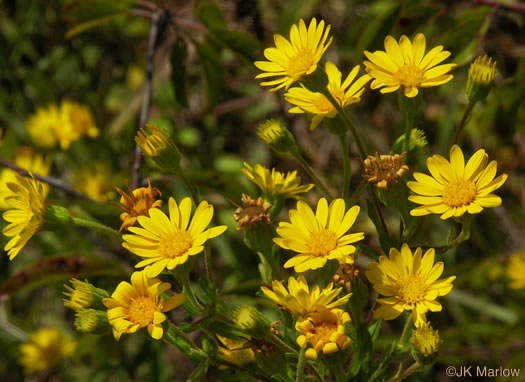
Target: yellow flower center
[(325, 330), (140, 208), (459, 193), (411, 290), (322, 242), (409, 76), (141, 310), (323, 104), (300, 63), (175, 244)]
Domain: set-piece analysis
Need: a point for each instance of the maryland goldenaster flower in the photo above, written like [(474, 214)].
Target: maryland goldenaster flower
[(324, 330), (294, 59), (406, 65), (516, 270), (318, 237), (25, 213), (299, 299), (168, 242), (276, 185), (137, 204), (27, 159), (138, 305), (45, 348), (455, 188), (409, 283), (315, 103)]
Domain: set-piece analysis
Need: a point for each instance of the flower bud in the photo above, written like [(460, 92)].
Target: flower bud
[(251, 321), (425, 343), (156, 144), (480, 78), (84, 295), (277, 136), (92, 321)]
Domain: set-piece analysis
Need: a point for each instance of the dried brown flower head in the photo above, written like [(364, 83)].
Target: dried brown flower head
[(345, 274), (137, 204), (252, 211), (383, 170)]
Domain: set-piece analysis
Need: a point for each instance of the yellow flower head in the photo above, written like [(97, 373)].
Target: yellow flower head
[(235, 352), (277, 136), (80, 296), (275, 184), (166, 243), (324, 330), (318, 237), (152, 140), (299, 299), (516, 270), (481, 75), (25, 213), (455, 188), (425, 339), (95, 181), (45, 348), (306, 101), (294, 59), (409, 283), (406, 65), (61, 125), (138, 305), (137, 204), (27, 159)]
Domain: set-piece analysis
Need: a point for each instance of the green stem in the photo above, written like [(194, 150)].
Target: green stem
[(406, 330), (315, 178), (95, 226), (184, 279), (464, 120), (301, 362), (409, 124), (375, 199), (359, 191), (411, 370), (346, 164), (173, 333)]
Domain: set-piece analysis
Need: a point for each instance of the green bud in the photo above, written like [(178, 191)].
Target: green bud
[(417, 140), (92, 321), (480, 78), (277, 136), (156, 144), (251, 321), (84, 295)]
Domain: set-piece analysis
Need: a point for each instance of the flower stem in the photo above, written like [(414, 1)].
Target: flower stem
[(411, 370), (358, 192), (184, 279), (464, 120), (346, 164), (95, 226), (300, 366), (409, 124), (174, 333), (315, 178)]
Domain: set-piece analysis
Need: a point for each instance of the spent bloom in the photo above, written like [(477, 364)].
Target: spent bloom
[(252, 212), (324, 331), (456, 188), (300, 300), (292, 60), (346, 93), (405, 65), (383, 170), (44, 349), (318, 237), (274, 184), (408, 282), (166, 243), (137, 204), (139, 304), (28, 159), (25, 213), (516, 270), (481, 75), (425, 339)]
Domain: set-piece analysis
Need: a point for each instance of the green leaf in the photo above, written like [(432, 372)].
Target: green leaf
[(239, 42), (385, 241), (363, 350), (213, 73), (374, 34), (178, 71), (211, 15), (358, 300)]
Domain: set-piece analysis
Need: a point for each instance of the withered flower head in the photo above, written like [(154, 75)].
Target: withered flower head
[(383, 170), (252, 211), (345, 274), (137, 203)]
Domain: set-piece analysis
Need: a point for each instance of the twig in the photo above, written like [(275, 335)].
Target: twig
[(57, 183), (411, 370), (509, 7), (147, 95)]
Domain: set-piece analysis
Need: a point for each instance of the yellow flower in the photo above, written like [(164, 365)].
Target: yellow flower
[(294, 59), (137, 204), (425, 340), (516, 270), (61, 125), (152, 140), (409, 283), (166, 243), (320, 237), (25, 213), (324, 330), (299, 299), (481, 75), (95, 182), (235, 352), (455, 188), (138, 305), (27, 159), (275, 184), (406, 65), (45, 348), (306, 101)]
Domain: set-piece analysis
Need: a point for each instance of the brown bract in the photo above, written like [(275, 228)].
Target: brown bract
[(252, 211), (383, 170), (137, 204)]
